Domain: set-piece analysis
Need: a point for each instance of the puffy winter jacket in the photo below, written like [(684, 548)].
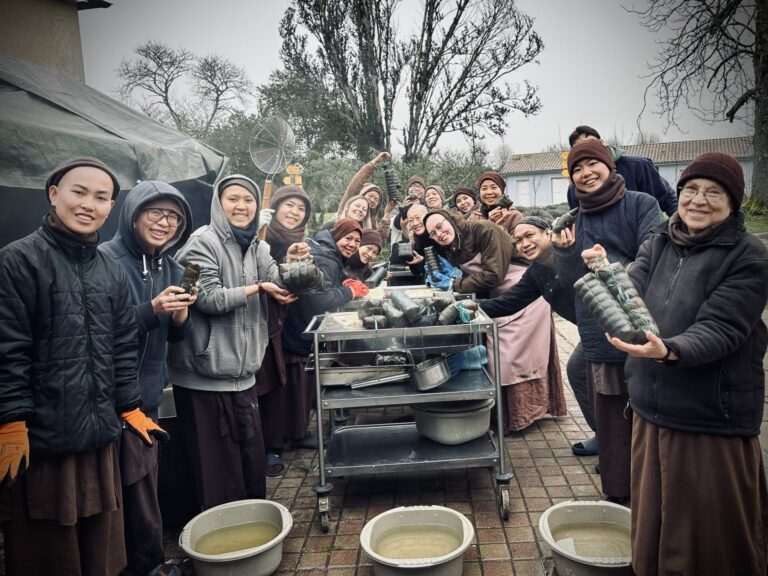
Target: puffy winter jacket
[(707, 302), (68, 342), (226, 345), (149, 275), (300, 313)]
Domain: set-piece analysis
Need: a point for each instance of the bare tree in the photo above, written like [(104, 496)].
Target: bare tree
[(158, 75), (454, 69), (714, 63)]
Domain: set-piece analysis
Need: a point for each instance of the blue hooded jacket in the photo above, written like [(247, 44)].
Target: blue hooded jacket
[(148, 275)]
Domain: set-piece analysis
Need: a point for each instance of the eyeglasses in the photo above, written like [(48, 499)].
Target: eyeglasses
[(710, 194), (443, 225), (157, 214)]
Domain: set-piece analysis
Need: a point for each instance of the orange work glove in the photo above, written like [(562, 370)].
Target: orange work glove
[(143, 427), (358, 288), (14, 452)]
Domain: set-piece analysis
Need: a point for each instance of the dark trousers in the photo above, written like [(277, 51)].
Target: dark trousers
[(226, 449), (143, 525), (577, 378)]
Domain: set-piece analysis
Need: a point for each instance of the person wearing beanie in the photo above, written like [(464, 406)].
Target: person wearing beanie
[(533, 239), (415, 187), (68, 384), (213, 378), (356, 209), (639, 173), (283, 403), (154, 218), (465, 200), (434, 196), (331, 250), (379, 214), (359, 265), (491, 188), (476, 257), (618, 221), (697, 389)]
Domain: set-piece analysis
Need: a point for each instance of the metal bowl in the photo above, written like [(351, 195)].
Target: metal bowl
[(430, 374)]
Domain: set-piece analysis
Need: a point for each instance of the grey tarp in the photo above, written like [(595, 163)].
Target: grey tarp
[(47, 116)]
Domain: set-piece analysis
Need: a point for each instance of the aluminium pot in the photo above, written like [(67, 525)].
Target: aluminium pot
[(430, 374), (454, 423)]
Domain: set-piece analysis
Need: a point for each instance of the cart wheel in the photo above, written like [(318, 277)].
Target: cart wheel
[(504, 503), (325, 522)]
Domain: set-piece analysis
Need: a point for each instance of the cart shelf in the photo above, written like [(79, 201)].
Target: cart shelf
[(383, 448), (466, 385)]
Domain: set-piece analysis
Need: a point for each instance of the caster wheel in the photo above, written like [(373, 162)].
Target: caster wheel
[(325, 521), (504, 504)]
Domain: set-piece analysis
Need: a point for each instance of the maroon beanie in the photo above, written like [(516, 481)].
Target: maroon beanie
[(466, 192), (495, 176), (723, 169), (58, 173), (344, 227), (369, 237), (589, 148)]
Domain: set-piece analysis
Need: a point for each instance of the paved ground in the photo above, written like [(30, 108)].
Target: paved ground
[(545, 473)]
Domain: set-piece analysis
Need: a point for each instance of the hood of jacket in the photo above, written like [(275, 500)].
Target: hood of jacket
[(141, 194), (219, 220)]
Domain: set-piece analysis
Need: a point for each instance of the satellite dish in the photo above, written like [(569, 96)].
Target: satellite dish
[(272, 145)]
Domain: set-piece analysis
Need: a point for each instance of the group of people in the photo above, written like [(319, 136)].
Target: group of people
[(93, 333)]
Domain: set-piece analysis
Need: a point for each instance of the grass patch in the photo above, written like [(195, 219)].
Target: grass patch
[(756, 223)]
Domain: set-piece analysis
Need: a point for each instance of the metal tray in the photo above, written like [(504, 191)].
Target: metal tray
[(337, 369)]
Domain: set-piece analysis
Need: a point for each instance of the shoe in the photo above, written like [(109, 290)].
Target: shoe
[(621, 500), (309, 442), (275, 465), (586, 447), (597, 468)]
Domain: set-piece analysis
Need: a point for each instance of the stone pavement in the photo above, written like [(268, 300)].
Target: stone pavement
[(545, 473)]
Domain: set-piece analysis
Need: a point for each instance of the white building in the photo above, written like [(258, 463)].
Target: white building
[(538, 179)]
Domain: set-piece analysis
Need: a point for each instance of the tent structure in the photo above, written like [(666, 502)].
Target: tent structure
[(47, 116)]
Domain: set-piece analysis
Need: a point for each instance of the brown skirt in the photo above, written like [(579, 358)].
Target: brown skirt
[(699, 503)]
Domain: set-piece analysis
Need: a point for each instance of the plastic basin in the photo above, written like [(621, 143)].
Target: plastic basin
[(569, 563), (258, 561), (449, 564)]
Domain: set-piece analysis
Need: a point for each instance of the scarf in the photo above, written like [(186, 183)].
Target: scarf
[(55, 223), (244, 236), (280, 238), (680, 235), (607, 195)]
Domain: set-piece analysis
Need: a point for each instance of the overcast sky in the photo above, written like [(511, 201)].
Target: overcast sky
[(590, 70)]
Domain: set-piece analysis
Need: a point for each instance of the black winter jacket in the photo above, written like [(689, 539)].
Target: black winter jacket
[(708, 304), (149, 275), (620, 229), (539, 280), (68, 342), (300, 313)]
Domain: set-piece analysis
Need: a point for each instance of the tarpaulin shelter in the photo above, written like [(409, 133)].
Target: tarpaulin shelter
[(46, 116)]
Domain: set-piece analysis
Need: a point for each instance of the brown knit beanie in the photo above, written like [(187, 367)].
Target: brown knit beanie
[(466, 192), (370, 237), (495, 176), (368, 187), (292, 191), (723, 169), (413, 180), (437, 189), (344, 227), (58, 173), (589, 148)]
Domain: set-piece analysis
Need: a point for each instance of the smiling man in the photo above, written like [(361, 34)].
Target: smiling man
[(67, 383)]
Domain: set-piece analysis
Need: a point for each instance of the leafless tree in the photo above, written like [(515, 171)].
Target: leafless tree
[(160, 74), (714, 62)]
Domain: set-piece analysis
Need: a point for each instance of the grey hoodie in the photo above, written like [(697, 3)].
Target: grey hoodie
[(229, 331)]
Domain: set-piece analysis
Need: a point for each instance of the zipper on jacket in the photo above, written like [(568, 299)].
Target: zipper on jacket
[(87, 320), (146, 339), (245, 325)]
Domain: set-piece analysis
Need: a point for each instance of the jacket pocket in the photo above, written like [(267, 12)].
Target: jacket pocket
[(725, 400)]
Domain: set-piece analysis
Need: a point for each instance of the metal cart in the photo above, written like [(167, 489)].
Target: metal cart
[(385, 448)]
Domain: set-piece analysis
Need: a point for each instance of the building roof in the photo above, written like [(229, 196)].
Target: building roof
[(661, 153)]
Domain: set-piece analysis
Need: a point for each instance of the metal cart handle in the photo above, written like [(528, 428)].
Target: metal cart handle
[(312, 326)]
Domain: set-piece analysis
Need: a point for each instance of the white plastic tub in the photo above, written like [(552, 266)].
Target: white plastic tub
[(569, 563), (449, 564), (258, 561)]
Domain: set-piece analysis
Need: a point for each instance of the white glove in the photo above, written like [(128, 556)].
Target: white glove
[(265, 217)]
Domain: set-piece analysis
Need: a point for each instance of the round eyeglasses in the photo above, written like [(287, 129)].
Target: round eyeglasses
[(157, 214)]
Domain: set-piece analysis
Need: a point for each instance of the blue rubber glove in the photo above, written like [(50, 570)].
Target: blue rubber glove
[(440, 281), (449, 269), (465, 316)]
